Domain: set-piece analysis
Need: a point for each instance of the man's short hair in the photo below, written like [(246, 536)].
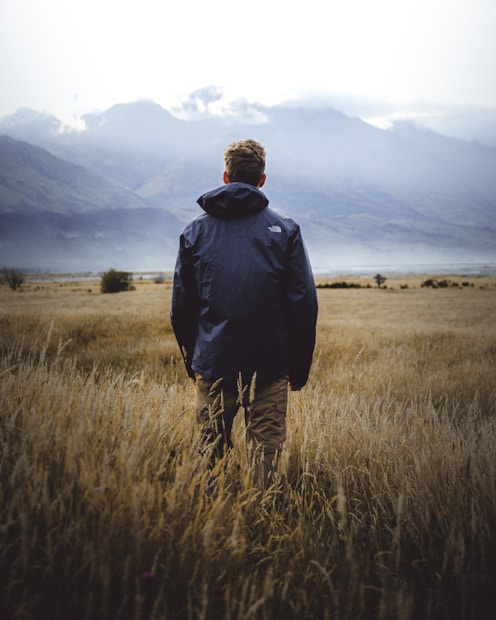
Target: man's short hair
[(244, 162)]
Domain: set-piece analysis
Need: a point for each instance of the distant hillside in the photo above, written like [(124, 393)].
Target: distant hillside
[(362, 195), (31, 179), (129, 239), (55, 215)]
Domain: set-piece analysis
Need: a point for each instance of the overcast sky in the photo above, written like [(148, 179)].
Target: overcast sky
[(68, 56)]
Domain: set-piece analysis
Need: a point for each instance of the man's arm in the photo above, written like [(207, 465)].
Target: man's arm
[(185, 305), (301, 312)]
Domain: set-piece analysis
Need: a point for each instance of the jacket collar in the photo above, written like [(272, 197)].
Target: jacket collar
[(233, 200)]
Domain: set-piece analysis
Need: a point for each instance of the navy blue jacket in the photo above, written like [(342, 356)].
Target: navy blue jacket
[(244, 298)]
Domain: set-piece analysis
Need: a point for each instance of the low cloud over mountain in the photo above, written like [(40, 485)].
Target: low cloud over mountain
[(121, 190)]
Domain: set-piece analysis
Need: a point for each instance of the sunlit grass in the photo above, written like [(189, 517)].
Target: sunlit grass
[(386, 506)]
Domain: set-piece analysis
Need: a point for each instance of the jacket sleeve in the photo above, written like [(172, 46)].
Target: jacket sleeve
[(185, 304), (300, 311)]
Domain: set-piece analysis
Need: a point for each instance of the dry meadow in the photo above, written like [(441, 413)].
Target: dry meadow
[(386, 505)]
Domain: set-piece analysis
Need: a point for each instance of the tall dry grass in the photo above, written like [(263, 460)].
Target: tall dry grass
[(388, 508)]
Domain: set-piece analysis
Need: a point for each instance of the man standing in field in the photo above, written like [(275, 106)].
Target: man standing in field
[(244, 309)]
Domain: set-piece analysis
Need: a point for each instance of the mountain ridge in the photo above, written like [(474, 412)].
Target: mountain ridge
[(30, 175), (359, 193)]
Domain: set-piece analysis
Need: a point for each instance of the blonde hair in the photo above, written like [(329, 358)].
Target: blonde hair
[(244, 162)]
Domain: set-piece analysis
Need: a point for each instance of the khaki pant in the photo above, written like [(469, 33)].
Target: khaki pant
[(265, 407)]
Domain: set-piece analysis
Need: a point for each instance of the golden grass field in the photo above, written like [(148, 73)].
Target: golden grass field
[(389, 510)]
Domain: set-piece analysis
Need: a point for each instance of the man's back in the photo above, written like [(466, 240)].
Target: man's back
[(255, 303)]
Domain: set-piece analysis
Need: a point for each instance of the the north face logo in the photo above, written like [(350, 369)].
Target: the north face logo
[(275, 228)]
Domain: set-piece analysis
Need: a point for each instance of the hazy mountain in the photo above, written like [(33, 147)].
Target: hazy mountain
[(31, 179), (361, 194), (126, 144), (55, 215), (30, 126), (129, 239)]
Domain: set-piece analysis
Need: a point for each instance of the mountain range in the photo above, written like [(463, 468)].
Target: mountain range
[(118, 192)]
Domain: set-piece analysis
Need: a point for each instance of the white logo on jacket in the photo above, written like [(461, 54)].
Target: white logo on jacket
[(275, 228)]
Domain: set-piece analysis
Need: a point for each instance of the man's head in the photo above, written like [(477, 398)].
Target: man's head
[(244, 162)]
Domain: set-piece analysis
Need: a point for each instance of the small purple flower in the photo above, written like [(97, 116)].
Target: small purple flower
[(147, 577)]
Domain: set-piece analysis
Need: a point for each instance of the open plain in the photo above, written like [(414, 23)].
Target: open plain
[(386, 505)]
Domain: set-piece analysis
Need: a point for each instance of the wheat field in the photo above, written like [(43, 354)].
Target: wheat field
[(386, 505)]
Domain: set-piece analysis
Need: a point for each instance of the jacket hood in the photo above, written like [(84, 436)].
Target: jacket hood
[(233, 200)]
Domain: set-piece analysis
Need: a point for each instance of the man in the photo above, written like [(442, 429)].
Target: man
[(244, 309)]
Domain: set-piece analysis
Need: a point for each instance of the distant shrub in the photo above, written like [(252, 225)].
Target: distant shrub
[(339, 285), (432, 283), (379, 279), (113, 281), (12, 276)]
